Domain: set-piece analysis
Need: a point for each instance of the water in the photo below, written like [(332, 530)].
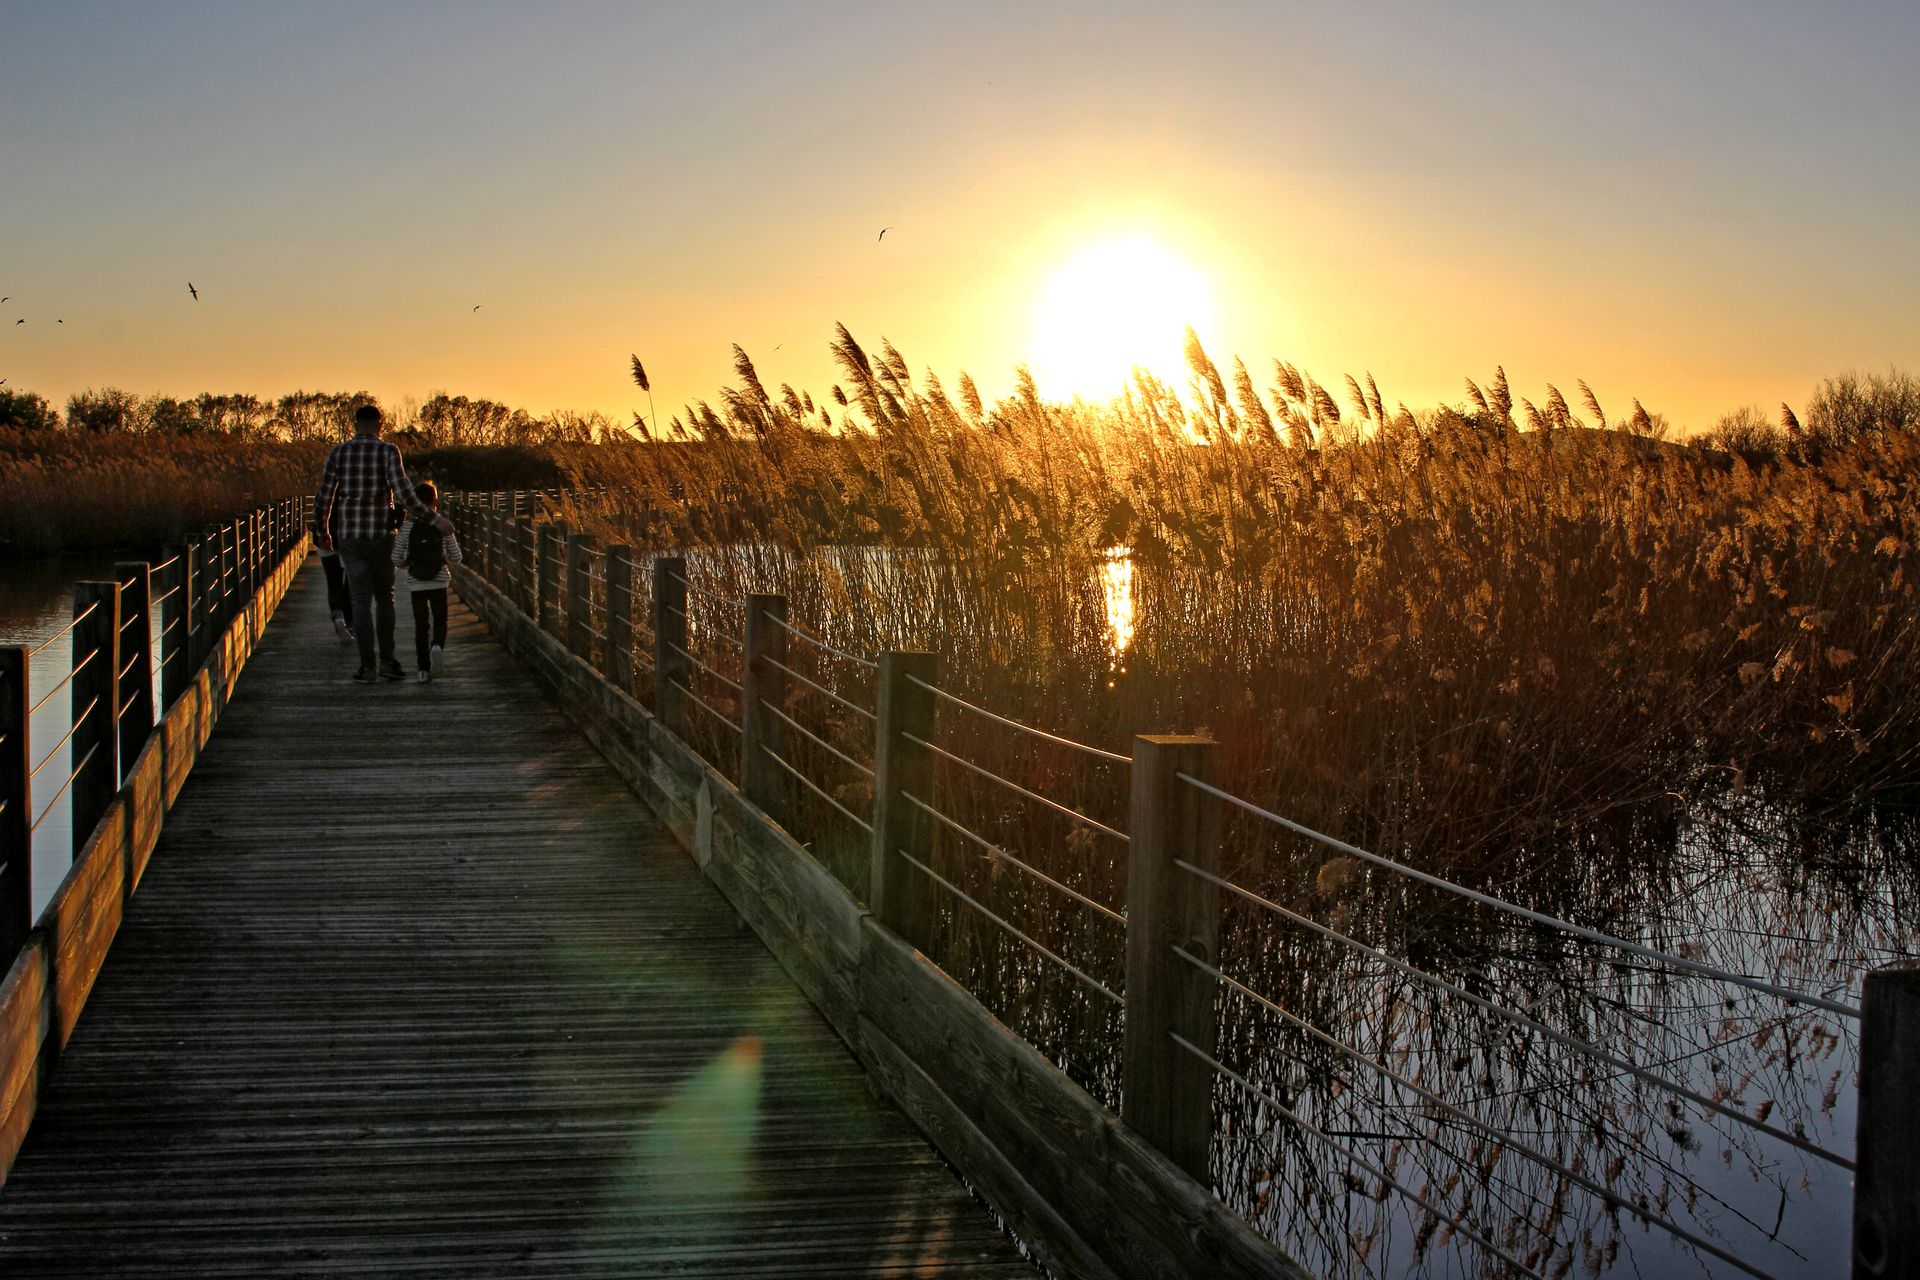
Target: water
[(36, 601)]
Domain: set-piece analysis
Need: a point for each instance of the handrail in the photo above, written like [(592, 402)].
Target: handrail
[(1560, 1038), (1092, 982), (817, 789), (1527, 913), (1013, 786), (77, 769), (995, 716), (1505, 1138), (961, 829), (78, 618), (801, 729), (1352, 1157), (848, 703), (822, 645), (64, 680)]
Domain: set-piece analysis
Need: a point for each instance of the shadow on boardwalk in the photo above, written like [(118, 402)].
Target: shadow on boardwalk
[(415, 984)]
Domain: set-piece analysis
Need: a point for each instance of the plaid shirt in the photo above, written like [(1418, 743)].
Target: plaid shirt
[(364, 475)]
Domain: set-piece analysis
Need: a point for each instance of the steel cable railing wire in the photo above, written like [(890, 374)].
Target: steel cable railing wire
[(816, 788), (995, 850), (1352, 1157), (1537, 917), (735, 601), (1097, 752), (1561, 1038), (844, 701), (704, 667), (1504, 1137), (1011, 785), (77, 769), (820, 644), (78, 618), (65, 738), (817, 740), (65, 680), (698, 701), (1092, 982)]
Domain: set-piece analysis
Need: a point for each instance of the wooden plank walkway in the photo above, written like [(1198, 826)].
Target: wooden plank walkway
[(415, 985)]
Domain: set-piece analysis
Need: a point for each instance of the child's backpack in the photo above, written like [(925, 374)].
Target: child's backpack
[(426, 552)]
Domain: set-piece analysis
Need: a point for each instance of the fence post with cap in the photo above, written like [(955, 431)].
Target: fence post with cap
[(616, 658), (763, 685), (1886, 1183), (670, 673), (579, 595), (135, 711), (1166, 1093), (16, 803), (176, 623), (96, 706), (899, 893)]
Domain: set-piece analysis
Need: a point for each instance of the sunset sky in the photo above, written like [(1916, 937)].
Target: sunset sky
[(1703, 205)]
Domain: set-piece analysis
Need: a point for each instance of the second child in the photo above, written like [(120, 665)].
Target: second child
[(425, 553)]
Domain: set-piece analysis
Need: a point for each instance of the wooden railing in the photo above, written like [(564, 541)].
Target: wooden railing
[(117, 766), (1093, 1194), (709, 736)]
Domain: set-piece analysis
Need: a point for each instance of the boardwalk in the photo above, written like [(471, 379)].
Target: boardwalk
[(415, 985)]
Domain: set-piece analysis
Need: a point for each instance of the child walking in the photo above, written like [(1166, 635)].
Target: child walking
[(425, 552)]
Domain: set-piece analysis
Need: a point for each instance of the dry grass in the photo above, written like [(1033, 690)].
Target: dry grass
[(1434, 633), (72, 491)]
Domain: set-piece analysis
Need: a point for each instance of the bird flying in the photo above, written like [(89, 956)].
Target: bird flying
[(478, 305), (883, 234), (4, 299), (19, 321), (195, 292), (640, 375)]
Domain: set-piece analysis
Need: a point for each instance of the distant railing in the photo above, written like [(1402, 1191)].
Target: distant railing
[(199, 585), (717, 670)]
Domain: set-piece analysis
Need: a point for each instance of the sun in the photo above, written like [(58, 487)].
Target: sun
[(1112, 306)]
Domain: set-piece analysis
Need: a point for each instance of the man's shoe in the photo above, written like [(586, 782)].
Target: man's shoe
[(437, 660), (390, 670), (340, 627), (425, 675), (365, 675)]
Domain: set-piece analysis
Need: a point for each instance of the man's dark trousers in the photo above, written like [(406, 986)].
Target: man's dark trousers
[(369, 565)]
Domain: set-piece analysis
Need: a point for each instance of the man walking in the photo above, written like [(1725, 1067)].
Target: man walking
[(363, 479)]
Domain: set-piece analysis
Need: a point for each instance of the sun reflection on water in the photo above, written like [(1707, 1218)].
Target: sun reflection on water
[(1116, 583)]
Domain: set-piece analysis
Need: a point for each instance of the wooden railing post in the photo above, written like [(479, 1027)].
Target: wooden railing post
[(553, 580), (670, 672), (96, 709), (616, 658), (1166, 1093), (1886, 1179), (524, 566), (228, 600), (136, 659), (579, 595), (497, 562), (200, 643), (16, 804), (900, 894), (763, 685), (176, 620)]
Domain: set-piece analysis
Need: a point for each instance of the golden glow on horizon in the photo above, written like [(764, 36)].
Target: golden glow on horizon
[(1113, 306)]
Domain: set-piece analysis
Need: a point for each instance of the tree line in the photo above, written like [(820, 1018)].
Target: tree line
[(441, 420)]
